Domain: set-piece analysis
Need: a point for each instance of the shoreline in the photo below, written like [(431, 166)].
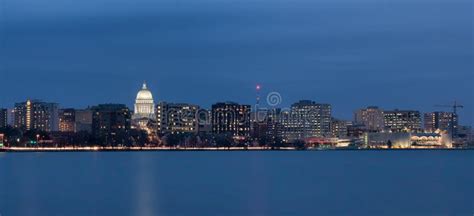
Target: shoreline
[(222, 149)]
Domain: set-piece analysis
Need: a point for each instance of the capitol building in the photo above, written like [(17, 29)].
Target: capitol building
[(144, 107)]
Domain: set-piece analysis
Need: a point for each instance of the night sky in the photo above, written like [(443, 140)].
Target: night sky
[(407, 54)]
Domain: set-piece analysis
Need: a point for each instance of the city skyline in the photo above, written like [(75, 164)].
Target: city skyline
[(236, 107), (266, 104)]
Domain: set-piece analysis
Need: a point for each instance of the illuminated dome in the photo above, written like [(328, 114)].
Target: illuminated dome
[(144, 93), (144, 104)]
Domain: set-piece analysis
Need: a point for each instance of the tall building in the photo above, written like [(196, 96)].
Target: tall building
[(67, 120), (177, 118), (306, 119), (446, 121), (11, 117), (3, 118), (371, 117), (37, 115), (402, 120), (83, 120), (111, 123), (144, 107), (231, 118), (274, 126)]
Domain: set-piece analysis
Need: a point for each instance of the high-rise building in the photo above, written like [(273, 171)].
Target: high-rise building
[(3, 118), (446, 121), (111, 123), (67, 120), (371, 117), (37, 115), (306, 119), (231, 118), (83, 120), (177, 118), (144, 107), (402, 120)]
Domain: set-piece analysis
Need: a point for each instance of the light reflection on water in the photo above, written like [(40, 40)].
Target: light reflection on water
[(237, 183)]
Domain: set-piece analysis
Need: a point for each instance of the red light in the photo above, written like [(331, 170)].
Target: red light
[(258, 87)]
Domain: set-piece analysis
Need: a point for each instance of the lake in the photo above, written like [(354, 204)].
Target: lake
[(238, 183)]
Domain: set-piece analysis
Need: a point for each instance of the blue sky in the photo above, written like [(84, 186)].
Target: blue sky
[(391, 53)]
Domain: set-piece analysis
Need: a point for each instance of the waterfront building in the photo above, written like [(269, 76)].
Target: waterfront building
[(371, 117), (306, 119), (83, 120), (177, 118), (402, 120), (204, 118), (11, 117), (446, 121), (274, 126), (144, 107), (67, 120), (339, 128), (258, 124), (3, 118), (356, 130), (231, 118), (37, 115), (111, 123), (407, 140)]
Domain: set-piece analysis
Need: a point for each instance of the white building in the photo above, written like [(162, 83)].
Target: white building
[(144, 107)]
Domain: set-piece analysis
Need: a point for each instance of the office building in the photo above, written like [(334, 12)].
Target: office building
[(83, 120), (36, 115), (177, 118), (371, 117), (231, 118), (306, 119), (402, 120), (67, 120), (111, 123), (446, 121), (339, 128), (3, 118)]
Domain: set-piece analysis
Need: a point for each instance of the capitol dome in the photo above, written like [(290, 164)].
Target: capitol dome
[(144, 104), (144, 93)]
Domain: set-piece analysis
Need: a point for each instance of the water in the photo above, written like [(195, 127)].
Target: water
[(238, 183)]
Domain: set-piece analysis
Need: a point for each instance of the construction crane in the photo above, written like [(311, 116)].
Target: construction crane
[(455, 107)]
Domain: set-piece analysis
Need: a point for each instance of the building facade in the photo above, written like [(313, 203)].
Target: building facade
[(231, 118), (144, 107), (83, 120), (177, 118), (67, 120), (402, 120), (339, 128), (111, 124), (446, 121), (3, 118), (371, 117), (36, 115), (306, 119), (274, 126)]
